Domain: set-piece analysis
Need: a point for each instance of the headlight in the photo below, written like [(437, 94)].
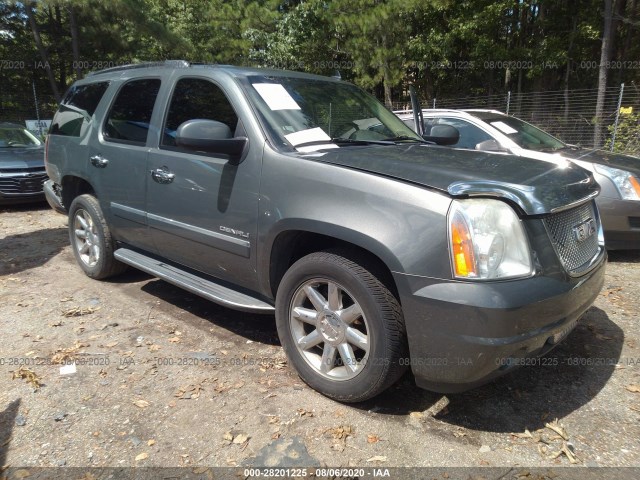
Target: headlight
[(625, 182), (487, 240)]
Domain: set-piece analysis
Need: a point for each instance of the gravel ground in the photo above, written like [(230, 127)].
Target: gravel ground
[(166, 379)]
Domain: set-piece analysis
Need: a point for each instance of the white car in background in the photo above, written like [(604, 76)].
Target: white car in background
[(493, 131)]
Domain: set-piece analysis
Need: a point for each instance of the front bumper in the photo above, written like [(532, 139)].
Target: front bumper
[(621, 222), (463, 334), (53, 199)]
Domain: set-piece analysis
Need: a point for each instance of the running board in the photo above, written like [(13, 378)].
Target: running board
[(205, 288)]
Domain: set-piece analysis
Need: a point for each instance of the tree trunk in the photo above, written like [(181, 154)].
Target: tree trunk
[(605, 57), (387, 88), (28, 7), (567, 72), (74, 42)]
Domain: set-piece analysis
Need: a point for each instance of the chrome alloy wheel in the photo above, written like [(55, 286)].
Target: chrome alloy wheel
[(87, 242), (329, 329)]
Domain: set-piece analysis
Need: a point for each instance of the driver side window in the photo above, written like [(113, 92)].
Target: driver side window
[(197, 98)]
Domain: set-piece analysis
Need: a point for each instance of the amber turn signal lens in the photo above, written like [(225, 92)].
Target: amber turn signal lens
[(635, 184), (463, 258)]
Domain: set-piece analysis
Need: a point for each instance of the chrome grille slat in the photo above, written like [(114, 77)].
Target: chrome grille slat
[(575, 256)]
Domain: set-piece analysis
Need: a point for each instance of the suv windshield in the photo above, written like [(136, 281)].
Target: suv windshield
[(308, 114), (17, 137), (524, 134)]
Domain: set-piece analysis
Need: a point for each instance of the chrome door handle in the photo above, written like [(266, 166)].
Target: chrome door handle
[(162, 175), (99, 161)]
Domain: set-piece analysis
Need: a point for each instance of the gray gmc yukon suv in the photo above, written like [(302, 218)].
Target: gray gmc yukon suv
[(302, 196)]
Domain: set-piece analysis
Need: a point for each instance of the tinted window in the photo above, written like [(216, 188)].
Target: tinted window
[(77, 108), (196, 98), (130, 116), (470, 135)]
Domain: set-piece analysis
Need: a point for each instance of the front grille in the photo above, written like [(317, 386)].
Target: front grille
[(22, 183), (574, 254)]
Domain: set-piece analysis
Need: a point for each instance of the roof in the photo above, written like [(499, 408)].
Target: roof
[(235, 71)]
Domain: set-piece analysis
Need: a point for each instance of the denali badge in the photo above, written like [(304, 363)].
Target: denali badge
[(233, 231), (585, 230)]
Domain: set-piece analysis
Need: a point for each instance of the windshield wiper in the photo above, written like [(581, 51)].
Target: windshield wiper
[(407, 137), (347, 141)]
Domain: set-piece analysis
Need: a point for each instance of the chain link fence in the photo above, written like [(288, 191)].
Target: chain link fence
[(568, 115), (30, 106)]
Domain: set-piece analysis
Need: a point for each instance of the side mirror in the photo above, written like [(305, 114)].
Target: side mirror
[(491, 145), (443, 135), (212, 137)]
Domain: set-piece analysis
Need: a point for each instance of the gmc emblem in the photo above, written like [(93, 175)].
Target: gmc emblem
[(585, 230)]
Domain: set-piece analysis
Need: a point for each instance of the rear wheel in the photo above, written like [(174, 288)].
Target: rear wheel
[(340, 326), (91, 239)]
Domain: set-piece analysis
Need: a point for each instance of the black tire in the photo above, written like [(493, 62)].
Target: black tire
[(102, 265), (381, 322)]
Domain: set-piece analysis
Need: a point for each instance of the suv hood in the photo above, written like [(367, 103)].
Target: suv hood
[(602, 157), (18, 158), (536, 186)]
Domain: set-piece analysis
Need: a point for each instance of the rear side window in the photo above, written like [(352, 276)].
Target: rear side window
[(130, 115), (196, 98), (77, 108)]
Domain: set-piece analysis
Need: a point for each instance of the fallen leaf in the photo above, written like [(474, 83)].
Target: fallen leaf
[(634, 388), (341, 432), (29, 375), (526, 434), (228, 436), (78, 311), (240, 438), (558, 428), (377, 458), (67, 355), (304, 413), (151, 442), (141, 403), (371, 438), (111, 345), (174, 340), (56, 323), (142, 456)]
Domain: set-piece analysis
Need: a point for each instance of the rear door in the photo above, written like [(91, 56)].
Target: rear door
[(118, 160), (203, 210)]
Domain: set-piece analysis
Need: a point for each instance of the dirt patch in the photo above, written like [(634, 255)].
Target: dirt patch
[(136, 372)]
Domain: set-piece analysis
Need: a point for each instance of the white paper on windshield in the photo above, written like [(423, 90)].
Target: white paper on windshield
[(310, 135), (276, 97), (504, 128)]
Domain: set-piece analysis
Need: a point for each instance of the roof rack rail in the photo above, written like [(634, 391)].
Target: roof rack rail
[(165, 63)]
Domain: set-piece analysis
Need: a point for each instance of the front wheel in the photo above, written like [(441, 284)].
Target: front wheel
[(91, 239), (341, 327)]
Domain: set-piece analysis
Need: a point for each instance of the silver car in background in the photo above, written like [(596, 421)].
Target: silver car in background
[(617, 174)]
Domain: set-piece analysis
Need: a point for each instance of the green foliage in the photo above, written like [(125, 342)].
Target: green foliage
[(627, 135), (444, 47)]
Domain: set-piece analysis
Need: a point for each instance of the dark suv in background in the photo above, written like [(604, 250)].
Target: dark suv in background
[(267, 191), (22, 172)]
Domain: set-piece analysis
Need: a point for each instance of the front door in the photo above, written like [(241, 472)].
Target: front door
[(202, 210)]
